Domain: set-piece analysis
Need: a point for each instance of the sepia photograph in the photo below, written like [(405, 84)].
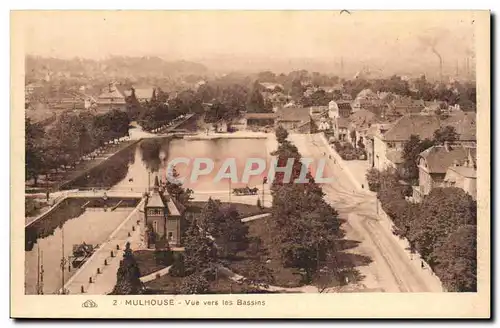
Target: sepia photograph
[(232, 155)]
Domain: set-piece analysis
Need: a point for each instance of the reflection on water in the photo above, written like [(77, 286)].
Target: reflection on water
[(218, 151), (92, 227), (128, 170), (153, 155)]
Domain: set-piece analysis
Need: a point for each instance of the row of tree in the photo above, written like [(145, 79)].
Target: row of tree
[(442, 229), (69, 138), (306, 228), (213, 238), (462, 93)]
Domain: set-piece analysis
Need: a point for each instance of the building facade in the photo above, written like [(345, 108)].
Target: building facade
[(163, 221)]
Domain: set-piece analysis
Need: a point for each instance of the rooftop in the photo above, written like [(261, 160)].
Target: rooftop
[(146, 93), (260, 116), (467, 172), (111, 93), (464, 124), (439, 159), (363, 119), (300, 114), (420, 125), (155, 200)]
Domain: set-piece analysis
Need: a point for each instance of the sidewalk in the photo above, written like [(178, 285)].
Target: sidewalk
[(156, 274), (355, 170), (104, 282)]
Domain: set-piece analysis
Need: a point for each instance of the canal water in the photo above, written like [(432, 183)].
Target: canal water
[(127, 170), (92, 227)]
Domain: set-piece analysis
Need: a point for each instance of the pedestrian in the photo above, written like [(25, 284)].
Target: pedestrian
[(362, 186), (422, 264), (48, 195)]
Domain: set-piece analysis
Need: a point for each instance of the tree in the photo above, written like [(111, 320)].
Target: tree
[(296, 90), (266, 76), (281, 134), (258, 274), (210, 216), (128, 276), (199, 250), (34, 163), (411, 149), (231, 233), (194, 284), (445, 134), (457, 260), (176, 190), (373, 179), (353, 137), (255, 102), (441, 213)]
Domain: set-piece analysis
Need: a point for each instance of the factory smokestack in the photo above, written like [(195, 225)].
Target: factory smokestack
[(440, 63)]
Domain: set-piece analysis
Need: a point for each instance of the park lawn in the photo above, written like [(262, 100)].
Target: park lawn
[(170, 285), (147, 262), (245, 210), (284, 277)]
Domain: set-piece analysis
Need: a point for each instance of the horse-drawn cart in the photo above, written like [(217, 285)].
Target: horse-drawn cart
[(245, 191)]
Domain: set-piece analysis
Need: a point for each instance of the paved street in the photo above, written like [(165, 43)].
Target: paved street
[(104, 281), (391, 268)]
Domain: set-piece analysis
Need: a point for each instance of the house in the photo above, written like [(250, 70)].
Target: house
[(31, 87), (111, 98), (360, 122), (463, 176), (389, 139), (431, 107), (346, 97), (144, 94), (464, 124), (292, 118), (163, 220), (339, 109), (403, 106), (259, 120), (323, 124), (317, 110), (221, 126), (271, 87), (239, 124), (374, 104), (434, 164), (341, 128)]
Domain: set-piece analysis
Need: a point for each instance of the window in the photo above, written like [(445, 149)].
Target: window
[(170, 236), (155, 226), (155, 211), (391, 144)]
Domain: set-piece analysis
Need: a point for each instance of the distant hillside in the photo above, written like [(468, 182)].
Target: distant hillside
[(119, 67)]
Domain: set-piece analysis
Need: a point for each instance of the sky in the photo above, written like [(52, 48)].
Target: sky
[(389, 37)]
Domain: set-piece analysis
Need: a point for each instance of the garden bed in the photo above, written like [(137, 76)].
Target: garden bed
[(284, 277)]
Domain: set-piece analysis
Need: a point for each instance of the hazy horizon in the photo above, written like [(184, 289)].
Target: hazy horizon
[(388, 39)]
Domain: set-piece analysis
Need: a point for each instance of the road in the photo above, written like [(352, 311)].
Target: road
[(391, 269)]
